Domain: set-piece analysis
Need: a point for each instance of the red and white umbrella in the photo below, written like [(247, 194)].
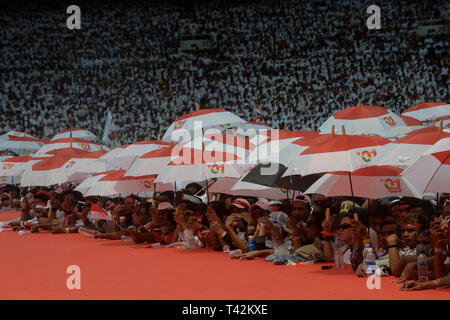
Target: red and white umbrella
[(123, 157), (405, 151), (427, 130), (226, 185), (201, 120), (431, 172), (280, 146), (15, 166), (366, 120), (70, 165), (445, 121), (199, 165), (115, 182), (152, 162), (372, 182), (16, 134), (339, 153), (76, 143), (75, 133), (412, 123), (20, 144), (428, 111)]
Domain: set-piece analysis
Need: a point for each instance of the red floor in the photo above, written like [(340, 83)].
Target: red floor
[(34, 266)]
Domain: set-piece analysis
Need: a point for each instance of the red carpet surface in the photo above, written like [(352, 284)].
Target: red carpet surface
[(33, 266)]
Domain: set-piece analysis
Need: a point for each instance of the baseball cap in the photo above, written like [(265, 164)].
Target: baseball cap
[(165, 206), (302, 198), (263, 204), (241, 204), (278, 217)]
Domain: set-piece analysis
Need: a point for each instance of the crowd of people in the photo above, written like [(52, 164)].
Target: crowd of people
[(299, 61), (300, 230)]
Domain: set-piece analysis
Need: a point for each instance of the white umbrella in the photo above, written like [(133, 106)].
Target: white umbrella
[(123, 157), (20, 144), (431, 172), (428, 111), (366, 120), (204, 119), (372, 182), (75, 133), (76, 143)]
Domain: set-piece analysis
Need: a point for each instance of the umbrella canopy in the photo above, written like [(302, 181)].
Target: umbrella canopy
[(427, 130), (205, 119), (428, 111), (405, 151), (250, 129), (115, 182), (15, 166), (16, 134), (199, 165), (20, 144), (76, 143), (372, 182), (412, 123), (152, 162), (226, 185), (366, 120), (445, 121), (124, 156), (75, 133), (70, 165), (431, 172), (338, 153)]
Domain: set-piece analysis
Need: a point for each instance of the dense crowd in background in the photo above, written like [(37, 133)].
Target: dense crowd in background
[(299, 61), (403, 237)]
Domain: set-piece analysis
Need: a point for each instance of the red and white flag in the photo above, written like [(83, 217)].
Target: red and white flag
[(261, 112), (98, 213)]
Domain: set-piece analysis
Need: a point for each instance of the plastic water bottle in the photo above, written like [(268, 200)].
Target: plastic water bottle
[(366, 249), (156, 245), (235, 254), (126, 238), (251, 243), (226, 248), (422, 265), (370, 261), (189, 238), (338, 254), (86, 232), (22, 233)]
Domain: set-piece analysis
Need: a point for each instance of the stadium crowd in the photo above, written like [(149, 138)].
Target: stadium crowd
[(300, 230), (299, 61)]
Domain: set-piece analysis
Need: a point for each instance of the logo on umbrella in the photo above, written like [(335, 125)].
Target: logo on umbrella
[(8, 166), (367, 156), (70, 164), (389, 121), (179, 124), (224, 125), (3, 179), (85, 146), (216, 168), (392, 185), (147, 184), (284, 190)]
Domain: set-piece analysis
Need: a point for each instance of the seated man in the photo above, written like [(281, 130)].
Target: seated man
[(391, 251)]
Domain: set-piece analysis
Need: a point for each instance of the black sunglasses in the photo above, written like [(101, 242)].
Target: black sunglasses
[(344, 226)]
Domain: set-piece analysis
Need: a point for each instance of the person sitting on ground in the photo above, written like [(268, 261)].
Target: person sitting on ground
[(70, 207)]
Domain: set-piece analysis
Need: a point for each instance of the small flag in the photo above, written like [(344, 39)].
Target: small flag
[(110, 132), (98, 213), (260, 111)]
